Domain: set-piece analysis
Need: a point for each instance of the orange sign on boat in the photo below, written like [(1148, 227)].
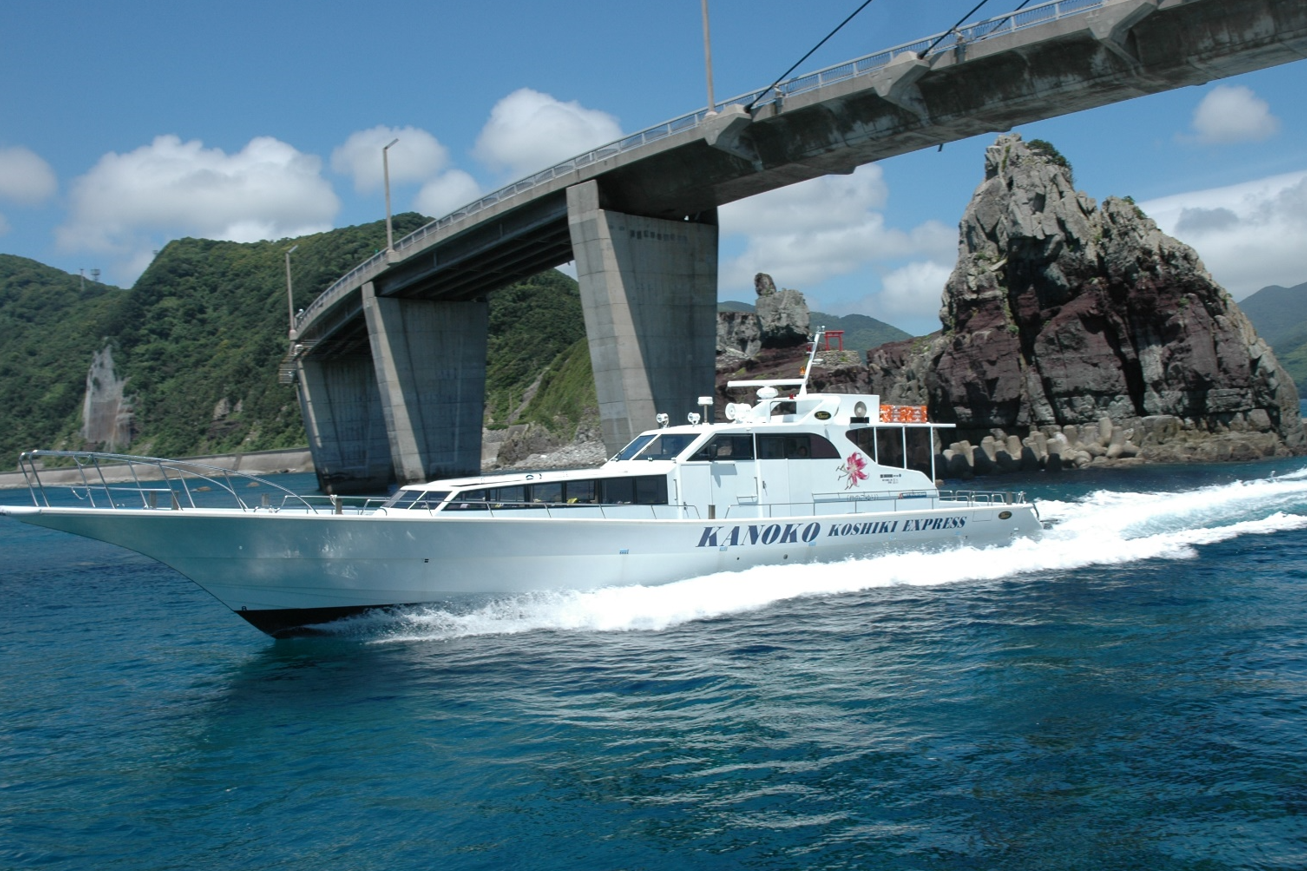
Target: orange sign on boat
[(903, 414)]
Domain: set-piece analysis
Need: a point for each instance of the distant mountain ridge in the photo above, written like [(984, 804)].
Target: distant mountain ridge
[(861, 332), (1280, 316)]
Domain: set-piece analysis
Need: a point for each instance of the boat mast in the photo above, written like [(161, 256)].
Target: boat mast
[(812, 356)]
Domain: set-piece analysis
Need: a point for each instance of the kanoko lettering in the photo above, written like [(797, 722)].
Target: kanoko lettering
[(793, 533), (770, 533)]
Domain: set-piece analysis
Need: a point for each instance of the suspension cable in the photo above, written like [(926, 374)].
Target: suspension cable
[(806, 56), (940, 38)]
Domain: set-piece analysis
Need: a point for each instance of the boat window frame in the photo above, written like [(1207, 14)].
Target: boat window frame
[(428, 500), (576, 493), (700, 454), (817, 446), (655, 442)]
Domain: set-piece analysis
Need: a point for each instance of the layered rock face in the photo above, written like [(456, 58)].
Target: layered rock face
[(781, 320), (1062, 315), (107, 417)]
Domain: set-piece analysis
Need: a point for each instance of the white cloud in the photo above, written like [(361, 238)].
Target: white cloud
[(416, 157), (24, 176), (444, 194), (529, 131), (1249, 235), (820, 229), (914, 290), (4, 225), (1233, 113), (130, 203)]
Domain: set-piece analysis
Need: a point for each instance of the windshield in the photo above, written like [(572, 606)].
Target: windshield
[(634, 447), (664, 446), (428, 499)]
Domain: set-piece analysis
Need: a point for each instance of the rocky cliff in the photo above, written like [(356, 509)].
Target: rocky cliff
[(1074, 334), (1086, 332)]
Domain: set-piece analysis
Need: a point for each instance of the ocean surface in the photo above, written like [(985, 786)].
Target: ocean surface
[(1130, 692)]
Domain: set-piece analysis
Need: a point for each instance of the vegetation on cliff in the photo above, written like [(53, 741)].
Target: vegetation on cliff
[(1280, 316), (51, 323), (200, 336)]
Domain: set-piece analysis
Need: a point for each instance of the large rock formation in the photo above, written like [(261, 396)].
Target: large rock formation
[(107, 418), (1062, 315), (780, 320)]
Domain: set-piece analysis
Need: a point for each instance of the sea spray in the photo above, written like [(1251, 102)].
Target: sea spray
[(1101, 529)]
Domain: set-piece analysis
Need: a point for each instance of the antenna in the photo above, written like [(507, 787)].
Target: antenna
[(95, 276), (812, 358)]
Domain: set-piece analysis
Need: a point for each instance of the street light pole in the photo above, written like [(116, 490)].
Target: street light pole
[(385, 170), (290, 297), (707, 57)]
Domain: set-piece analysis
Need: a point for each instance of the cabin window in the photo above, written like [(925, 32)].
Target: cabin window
[(921, 449), (666, 446), (785, 406), (637, 490), (889, 446), (617, 491), (651, 490), (550, 493), (630, 490), (579, 492), (507, 497), (725, 447), (795, 446), (906, 447), (468, 500)]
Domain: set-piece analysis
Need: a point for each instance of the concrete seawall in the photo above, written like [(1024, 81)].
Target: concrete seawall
[(253, 463)]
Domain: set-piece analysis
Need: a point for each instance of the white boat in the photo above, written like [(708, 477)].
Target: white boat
[(793, 477)]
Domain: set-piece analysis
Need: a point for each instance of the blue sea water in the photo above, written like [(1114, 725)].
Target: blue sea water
[(1128, 693)]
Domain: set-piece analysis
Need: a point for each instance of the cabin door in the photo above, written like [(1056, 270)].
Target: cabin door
[(774, 484), (720, 488)]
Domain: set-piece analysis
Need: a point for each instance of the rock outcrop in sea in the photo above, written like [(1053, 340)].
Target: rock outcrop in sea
[(1079, 334)]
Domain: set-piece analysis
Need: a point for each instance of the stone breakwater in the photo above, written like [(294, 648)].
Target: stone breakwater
[(1155, 439)]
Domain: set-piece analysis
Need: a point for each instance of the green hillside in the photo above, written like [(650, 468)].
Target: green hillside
[(861, 332), (200, 335), (50, 325), (1280, 317)]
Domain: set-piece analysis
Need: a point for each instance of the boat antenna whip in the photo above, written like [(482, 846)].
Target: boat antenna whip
[(812, 358)]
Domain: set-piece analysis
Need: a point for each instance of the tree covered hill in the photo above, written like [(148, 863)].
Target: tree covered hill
[(1280, 316), (200, 335), (48, 321)]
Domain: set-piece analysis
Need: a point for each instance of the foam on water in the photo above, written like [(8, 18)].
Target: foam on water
[(1102, 528)]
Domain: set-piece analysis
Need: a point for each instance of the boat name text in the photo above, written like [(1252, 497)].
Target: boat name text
[(793, 533)]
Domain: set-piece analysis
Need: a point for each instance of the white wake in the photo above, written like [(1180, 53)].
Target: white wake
[(1103, 528)]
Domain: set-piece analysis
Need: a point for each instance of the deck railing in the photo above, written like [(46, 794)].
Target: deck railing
[(106, 480)]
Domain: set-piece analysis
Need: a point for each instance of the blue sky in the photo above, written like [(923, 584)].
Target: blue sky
[(125, 125)]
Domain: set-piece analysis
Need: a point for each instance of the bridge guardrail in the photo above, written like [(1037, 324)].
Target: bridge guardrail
[(937, 44)]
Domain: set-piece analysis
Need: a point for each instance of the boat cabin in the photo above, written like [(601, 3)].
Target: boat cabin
[(801, 454)]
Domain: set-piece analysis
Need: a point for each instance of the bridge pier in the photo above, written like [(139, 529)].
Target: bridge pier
[(430, 362), (649, 297), (342, 416)]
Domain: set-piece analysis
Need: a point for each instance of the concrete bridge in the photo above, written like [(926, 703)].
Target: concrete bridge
[(390, 360)]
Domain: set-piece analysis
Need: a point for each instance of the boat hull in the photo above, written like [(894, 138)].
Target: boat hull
[(285, 570)]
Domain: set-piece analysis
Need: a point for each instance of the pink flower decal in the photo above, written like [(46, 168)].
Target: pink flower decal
[(853, 470)]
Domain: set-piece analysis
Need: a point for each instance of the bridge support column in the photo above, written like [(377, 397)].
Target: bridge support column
[(649, 296), (430, 359), (342, 415)]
